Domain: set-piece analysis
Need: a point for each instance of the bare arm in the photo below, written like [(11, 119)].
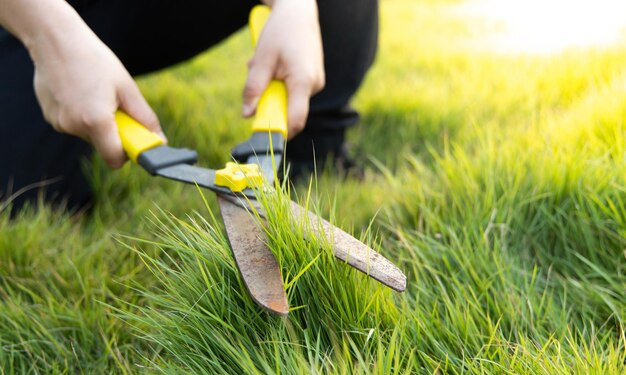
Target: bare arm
[(79, 82)]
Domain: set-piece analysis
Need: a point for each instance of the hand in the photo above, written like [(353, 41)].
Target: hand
[(289, 49), (80, 84)]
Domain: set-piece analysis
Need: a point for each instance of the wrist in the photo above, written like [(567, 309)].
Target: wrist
[(48, 26)]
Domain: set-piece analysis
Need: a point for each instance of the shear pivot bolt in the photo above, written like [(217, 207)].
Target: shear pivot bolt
[(237, 177)]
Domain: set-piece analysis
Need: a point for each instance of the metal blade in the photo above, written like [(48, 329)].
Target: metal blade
[(257, 264), (268, 165), (345, 247), (352, 251)]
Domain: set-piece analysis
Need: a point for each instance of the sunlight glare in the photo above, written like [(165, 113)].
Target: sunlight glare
[(549, 26)]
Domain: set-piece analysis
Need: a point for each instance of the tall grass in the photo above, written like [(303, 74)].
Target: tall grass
[(495, 181)]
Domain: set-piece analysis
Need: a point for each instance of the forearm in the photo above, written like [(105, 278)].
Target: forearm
[(38, 23)]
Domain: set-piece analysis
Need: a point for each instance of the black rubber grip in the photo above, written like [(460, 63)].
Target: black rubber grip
[(164, 156), (259, 144)]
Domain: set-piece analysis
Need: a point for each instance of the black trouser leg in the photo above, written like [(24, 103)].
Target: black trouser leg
[(34, 159), (148, 35), (350, 36)]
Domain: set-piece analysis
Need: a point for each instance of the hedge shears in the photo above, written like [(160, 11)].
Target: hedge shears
[(236, 188)]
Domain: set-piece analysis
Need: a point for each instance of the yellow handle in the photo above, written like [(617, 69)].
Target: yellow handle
[(136, 138), (271, 112)]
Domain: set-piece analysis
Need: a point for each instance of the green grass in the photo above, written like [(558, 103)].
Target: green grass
[(497, 182)]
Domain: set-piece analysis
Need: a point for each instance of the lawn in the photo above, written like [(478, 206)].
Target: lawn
[(496, 181)]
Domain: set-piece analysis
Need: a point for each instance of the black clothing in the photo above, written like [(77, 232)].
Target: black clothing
[(149, 35)]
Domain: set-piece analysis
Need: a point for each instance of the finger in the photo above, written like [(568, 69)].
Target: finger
[(106, 140), (135, 105), (299, 94), (260, 73)]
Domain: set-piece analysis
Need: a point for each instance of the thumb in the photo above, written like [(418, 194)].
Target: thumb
[(135, 105), (260, 73), (106, 140)]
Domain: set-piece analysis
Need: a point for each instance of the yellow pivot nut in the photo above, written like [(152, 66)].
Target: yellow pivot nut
[(237, 177)]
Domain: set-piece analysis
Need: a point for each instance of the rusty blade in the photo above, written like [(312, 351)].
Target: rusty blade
[(352, 251), (257, 264), (345, 247)]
